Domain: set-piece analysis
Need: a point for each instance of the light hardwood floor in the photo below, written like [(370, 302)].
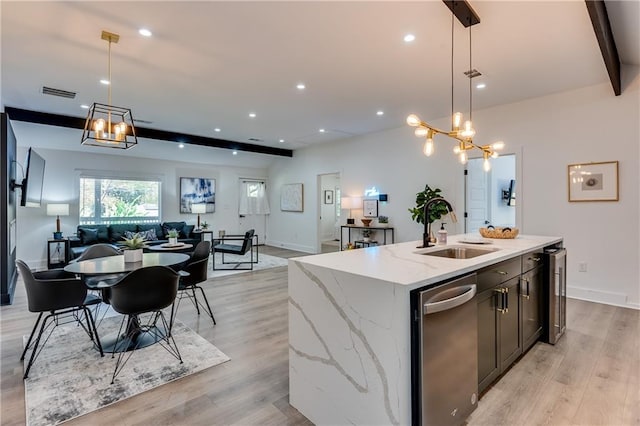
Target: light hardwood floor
[(590, 377)]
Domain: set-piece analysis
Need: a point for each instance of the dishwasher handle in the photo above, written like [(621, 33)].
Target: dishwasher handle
[(444, 305)]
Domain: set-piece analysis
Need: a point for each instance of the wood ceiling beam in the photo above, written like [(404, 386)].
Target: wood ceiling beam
[(142, 132), (602, 27)]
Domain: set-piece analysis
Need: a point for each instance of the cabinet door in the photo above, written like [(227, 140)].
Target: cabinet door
[(488, 363), (509, 324), (531, 291)]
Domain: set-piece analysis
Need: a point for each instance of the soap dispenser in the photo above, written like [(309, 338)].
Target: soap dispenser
[(442, 234)]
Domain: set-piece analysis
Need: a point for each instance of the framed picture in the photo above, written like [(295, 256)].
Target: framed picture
[(370, 208), (328, 196), (593, 181), (291, 197), (197, 191)]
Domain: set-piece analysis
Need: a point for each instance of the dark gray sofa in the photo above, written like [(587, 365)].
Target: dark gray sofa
[(88, 235)]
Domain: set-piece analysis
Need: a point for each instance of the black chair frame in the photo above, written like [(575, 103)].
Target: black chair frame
[(247, 246), (187, 289)]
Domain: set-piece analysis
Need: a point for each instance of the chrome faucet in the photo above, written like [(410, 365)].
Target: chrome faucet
[(427, 225)]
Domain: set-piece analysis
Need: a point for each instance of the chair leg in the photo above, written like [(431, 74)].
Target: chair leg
[(34, 352), (207, 302), (35, 326), (195, 299), (87, 312)]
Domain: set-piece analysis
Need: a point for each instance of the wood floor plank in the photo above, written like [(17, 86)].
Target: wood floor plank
[(590, 377)]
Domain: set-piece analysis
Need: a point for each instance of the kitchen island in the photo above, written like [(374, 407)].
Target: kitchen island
[(349, 326)]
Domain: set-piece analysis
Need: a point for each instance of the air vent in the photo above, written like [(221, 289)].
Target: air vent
[(256, 140), (137, 120), (473, 73), (58, 92)]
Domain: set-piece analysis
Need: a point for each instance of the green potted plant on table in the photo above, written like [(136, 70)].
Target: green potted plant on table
[(383, 221), (435, 213), (133, 248), (172, 236)]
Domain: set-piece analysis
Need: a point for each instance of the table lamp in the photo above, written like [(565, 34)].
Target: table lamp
[(199, 209), (57, 210), (351, 203)]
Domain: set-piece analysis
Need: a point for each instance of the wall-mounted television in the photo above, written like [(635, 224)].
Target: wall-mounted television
[(33, 180), (511, 200)]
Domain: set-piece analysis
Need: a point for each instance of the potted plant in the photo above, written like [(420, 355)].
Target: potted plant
[(204, 225), (437, 211), (133, 248), (172, 235), (383, 221), (367, 234)]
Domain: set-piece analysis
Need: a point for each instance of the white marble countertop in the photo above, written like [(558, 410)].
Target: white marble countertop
[(404, 265)]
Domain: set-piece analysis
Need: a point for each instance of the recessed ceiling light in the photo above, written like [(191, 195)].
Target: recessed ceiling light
[(281, 140), (217, 129), (252, 114), (481, 86), (321, 130), (181, 146), (235, 152), (84, 106), (409, 38), (380, 113), (144, 32), (301, 86), (105, 82)]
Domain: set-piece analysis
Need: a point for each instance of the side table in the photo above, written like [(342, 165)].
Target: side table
[(57, 252)]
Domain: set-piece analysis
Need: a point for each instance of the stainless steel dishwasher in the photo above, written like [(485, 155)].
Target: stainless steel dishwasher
[(445, 349)]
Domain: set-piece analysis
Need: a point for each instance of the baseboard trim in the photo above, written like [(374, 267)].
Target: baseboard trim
[(599, 296), (291, 246)]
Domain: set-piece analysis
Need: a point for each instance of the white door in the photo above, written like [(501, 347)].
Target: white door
[(253, 208), (477, 196)]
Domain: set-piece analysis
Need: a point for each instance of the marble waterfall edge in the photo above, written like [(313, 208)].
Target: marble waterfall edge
[(349, 347)]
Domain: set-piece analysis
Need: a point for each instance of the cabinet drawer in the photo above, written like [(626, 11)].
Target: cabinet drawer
[(531, 260), (495, 274)]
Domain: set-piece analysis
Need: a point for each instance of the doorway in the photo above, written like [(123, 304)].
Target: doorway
[(490, 196), (328, 213), (253, 207)]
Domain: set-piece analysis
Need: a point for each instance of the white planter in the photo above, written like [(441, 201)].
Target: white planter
[(133, 255), (383, 225), (173, 240)]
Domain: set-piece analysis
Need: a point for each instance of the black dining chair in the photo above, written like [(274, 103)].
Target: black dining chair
[(245, 247), (145, 290), (63, 296), (196, 267)]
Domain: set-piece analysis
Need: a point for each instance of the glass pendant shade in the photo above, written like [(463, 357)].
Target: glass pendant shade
[(421, 131), (463, 157), (457, 119), (413, 120), (486, 165), (428, 147)]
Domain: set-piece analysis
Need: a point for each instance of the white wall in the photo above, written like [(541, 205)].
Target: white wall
[(547, 133), (61, 185)]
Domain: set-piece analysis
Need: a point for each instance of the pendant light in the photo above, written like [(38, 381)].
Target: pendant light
[(463, 133), (107, 125)]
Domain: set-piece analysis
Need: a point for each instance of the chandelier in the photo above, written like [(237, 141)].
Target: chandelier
[(107, 125), (462, 133)]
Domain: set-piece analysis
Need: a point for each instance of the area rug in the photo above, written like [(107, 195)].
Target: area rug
[(69, 379), (264, 262)]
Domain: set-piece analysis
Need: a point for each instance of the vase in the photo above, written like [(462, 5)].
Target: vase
[(173, 240), (133, 255)]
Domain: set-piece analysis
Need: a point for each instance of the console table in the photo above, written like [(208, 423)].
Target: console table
[(57, 252), (373, 228)]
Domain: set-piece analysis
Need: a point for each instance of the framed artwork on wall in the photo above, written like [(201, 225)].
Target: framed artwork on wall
[(328, 196), (370, 208), (593, 181), (291, 197), (197, 191)]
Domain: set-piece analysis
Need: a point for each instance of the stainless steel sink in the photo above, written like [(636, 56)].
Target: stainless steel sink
[(459, 252)]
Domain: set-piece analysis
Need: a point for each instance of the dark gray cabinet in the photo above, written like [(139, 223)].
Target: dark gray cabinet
[(531, 298), (499, 332)]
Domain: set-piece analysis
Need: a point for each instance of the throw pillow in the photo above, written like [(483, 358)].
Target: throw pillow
[(88, 235), (149, 235), (186, 231), (129, 234)]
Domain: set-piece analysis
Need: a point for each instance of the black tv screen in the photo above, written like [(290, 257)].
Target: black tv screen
[(33, 180), (511, 201)]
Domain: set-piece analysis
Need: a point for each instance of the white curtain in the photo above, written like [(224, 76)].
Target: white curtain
[(253, 198)]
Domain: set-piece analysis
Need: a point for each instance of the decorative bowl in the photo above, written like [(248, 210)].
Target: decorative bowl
[(501, 233), (366, 222)]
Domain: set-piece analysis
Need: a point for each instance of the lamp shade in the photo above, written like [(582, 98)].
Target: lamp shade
[(351, 202), (57, 209), (198, 208)]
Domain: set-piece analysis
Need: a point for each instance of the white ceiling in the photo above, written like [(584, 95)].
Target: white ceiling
[(209, 64)]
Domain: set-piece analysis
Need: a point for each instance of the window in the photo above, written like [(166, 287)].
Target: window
[(109, 200), (253, 198)]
